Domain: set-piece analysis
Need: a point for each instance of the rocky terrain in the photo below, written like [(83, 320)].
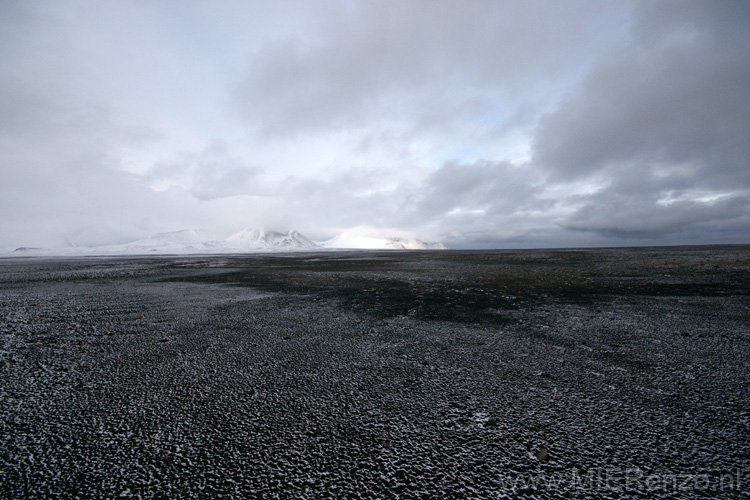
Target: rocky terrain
[(608, 373)]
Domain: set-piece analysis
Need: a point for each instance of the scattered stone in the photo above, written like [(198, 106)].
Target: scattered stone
[(227, 411)]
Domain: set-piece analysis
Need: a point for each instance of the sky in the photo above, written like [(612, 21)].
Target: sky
[(482, 124)]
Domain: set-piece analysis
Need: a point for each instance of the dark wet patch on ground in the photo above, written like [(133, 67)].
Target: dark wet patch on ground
[(483, 287)]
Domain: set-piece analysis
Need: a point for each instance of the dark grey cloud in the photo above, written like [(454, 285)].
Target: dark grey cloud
[(676, 95), (479, 186), (414, 61), (484, 200), (626, 218), (667, 117)]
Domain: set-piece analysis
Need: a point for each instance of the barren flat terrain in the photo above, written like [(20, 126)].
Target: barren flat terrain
[(602, 373)]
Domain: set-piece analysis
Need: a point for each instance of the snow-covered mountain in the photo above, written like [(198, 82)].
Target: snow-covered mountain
[(190, 242), (247, 240), (258, 239), (362, 241)]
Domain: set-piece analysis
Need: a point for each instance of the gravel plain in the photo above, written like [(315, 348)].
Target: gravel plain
[(596, 373)]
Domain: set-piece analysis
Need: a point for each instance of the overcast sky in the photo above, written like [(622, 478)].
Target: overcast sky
[(480, 124)]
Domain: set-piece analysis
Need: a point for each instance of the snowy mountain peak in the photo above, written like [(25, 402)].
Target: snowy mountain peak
[(363, 240), (254, 239)]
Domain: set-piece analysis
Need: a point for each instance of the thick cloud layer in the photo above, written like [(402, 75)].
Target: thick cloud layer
[(661, 126), (539, 123), (412, 63)]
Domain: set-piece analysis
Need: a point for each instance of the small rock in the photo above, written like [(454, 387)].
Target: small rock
[(542, 455)]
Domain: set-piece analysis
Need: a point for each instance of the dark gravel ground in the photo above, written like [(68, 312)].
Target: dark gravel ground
[(378, 375)]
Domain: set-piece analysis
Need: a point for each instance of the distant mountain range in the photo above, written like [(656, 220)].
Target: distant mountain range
[(356, 240), (247, 240), (254, 238)]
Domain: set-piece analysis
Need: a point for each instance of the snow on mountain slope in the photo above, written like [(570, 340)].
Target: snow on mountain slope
[(255, 239), (186, 242), (247, 240), (359, 240)]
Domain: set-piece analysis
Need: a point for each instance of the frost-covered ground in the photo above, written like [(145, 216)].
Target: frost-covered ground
[(378, 375)]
